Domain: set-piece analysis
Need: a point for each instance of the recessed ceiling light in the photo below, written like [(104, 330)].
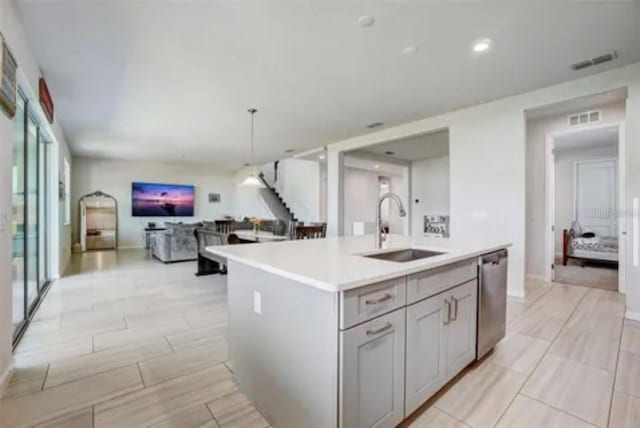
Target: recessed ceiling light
[(376, 166), (321, 157), (289, 151), (409, 50), (366, 21), (482, 46)]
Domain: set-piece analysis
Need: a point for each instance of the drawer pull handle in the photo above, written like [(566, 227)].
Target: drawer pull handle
[(382, 329), (455, 308), (447, 320), (379, 300)]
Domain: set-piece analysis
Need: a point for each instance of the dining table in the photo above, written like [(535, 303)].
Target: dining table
[(260, 236)]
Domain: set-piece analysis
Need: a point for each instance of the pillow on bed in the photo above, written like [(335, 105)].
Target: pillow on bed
[(588, 235), (576, 228)]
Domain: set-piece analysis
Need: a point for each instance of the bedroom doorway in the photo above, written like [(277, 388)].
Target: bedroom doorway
[(585, 183)]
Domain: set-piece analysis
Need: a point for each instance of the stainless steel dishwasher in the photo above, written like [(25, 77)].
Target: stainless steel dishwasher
[(492, 300)]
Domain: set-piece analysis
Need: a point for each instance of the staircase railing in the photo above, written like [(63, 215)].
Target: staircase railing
[(275, 203)]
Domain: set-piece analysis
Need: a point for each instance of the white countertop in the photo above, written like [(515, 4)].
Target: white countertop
[(336, 264)]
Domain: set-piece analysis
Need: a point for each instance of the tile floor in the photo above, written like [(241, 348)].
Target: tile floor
[(127, 342)]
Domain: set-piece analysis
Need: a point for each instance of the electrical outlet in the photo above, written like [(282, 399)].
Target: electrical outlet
[(257, 302)]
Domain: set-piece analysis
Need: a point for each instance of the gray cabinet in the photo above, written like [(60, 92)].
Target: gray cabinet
[(372, 372), (461, 329), (441, 337), (426, 344)]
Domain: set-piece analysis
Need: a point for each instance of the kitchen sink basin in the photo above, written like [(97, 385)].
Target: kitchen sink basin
[(403, 256)]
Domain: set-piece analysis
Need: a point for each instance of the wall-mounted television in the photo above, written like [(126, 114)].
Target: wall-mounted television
[(161, 200)]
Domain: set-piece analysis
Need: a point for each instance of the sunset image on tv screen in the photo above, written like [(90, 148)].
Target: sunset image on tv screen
[(161, 200)]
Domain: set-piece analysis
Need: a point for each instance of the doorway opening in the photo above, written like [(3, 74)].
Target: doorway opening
[(98, 222), (586, 194)]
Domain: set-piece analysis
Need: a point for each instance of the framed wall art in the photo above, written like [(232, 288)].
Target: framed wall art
[(9, 79)]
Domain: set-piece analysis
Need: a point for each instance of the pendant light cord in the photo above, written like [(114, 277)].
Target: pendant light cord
[(253, 112)]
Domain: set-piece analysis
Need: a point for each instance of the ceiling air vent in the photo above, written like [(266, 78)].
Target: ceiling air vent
[(595, 61), (585, 117)]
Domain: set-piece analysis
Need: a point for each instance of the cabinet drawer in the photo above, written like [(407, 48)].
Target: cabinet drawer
[(426, 284), (361, 304)]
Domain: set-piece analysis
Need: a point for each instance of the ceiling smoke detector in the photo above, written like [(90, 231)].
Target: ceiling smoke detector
[(601, 59), (374, 125)]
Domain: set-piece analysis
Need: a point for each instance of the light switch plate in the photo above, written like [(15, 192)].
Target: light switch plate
[(257, 302)]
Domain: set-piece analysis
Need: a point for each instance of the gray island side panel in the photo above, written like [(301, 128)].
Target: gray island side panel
[(286, 359)]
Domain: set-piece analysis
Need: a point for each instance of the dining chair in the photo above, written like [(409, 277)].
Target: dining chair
[(310, 232)]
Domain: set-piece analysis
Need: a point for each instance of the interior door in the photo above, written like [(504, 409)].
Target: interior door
[(596, 196)]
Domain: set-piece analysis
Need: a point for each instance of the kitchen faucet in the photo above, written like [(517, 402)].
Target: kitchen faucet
[(381, 199)]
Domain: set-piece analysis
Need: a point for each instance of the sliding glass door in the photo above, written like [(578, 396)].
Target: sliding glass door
[(18, 174), (30, 212)]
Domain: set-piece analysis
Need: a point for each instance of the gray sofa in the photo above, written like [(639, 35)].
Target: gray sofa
[(176, 244)]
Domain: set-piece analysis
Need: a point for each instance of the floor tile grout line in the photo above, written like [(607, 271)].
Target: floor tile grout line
[(46, 373), (144, 384), (540, 361), (212, 415), (557, 409), (435, 406), (550, 287)]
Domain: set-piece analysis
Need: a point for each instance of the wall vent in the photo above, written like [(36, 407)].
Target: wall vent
[(585, 117), (601, 59)]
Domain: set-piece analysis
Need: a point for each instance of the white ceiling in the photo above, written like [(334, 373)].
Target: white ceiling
[(432, 145), (381, 168), (587, 139), (168, 80)]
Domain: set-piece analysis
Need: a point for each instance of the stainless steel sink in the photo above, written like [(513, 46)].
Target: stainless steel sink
[(403, 256)]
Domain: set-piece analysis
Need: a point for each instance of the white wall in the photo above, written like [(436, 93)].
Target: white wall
[(564, 184), (115, 177), (361, 192), (430, 186), (488, 151), (299, 185), (537, 130)]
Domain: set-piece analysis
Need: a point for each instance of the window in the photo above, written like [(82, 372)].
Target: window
[(67, 192)]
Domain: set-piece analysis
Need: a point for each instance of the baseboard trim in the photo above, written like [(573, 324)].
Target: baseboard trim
[(540, 278), (632, 315), (4, 380), (516, 293)]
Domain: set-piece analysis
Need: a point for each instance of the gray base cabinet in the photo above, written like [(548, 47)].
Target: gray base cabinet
[(441, 337), (372, 372), (426, 351)]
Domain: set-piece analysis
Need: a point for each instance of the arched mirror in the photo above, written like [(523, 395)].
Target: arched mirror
[(98, 222)]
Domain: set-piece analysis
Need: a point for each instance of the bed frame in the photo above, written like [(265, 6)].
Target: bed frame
[(567, 234)]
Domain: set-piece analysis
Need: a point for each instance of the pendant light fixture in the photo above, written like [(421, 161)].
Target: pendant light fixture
[(252, 177)]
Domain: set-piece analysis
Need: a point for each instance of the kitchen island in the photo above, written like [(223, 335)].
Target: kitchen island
[(334, 333)]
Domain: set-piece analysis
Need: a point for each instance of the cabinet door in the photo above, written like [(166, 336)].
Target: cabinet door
[(461, 330), (372, 373), (426, 350)]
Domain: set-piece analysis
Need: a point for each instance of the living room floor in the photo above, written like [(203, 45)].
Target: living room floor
[(125, 341)]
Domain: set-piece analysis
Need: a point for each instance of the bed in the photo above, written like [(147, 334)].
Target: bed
[(597, 248)]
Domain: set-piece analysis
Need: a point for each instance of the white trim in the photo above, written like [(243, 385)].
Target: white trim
[(5, 378), (127, 247), (550, 195), (632, 315), (516, 293)]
